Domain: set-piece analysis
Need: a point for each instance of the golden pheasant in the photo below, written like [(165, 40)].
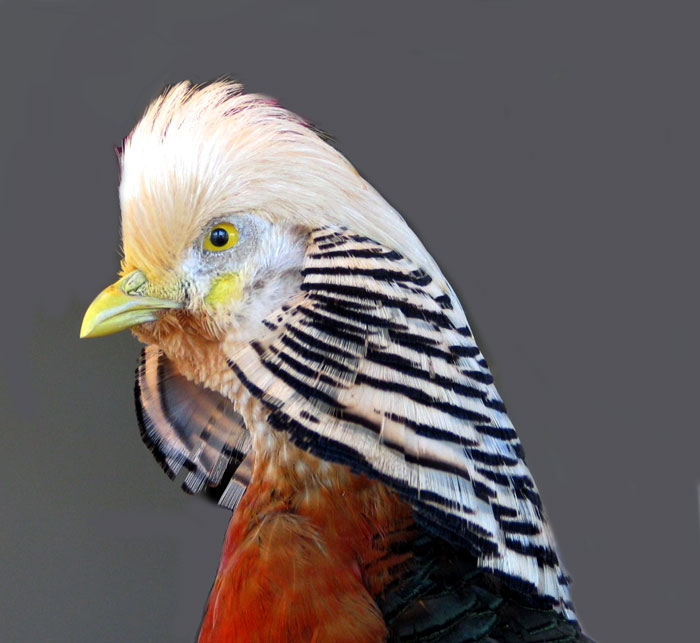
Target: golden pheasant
[(308, 365)]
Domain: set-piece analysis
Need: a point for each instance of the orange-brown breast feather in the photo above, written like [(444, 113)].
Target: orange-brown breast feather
[(304, 560)]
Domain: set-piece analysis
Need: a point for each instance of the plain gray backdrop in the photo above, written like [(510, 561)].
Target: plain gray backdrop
[(547, 153)]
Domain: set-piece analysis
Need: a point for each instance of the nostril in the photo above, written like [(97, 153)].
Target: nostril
[(134, 283)]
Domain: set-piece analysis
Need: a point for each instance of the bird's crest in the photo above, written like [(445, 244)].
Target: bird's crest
[(205, 151)]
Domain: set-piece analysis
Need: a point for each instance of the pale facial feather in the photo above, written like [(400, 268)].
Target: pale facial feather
[(265, 266)]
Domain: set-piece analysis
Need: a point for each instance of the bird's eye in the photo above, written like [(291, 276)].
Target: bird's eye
[(221, 237)]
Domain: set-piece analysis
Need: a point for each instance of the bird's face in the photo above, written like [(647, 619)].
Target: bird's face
[(234, 272)]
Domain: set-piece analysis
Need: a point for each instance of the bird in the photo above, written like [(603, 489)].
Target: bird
[(307, 365)]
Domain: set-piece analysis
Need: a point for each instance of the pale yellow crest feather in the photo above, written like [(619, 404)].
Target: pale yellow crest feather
[(200, 152)]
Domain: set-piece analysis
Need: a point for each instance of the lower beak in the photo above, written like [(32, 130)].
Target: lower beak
[(119, 307)]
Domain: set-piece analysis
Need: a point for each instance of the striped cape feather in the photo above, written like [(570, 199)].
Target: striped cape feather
[(374, 367)]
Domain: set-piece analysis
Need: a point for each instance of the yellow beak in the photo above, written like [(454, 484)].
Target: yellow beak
[(119, 306)]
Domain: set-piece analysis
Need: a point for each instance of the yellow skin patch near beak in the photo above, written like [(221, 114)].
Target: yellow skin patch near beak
[(225, 289), (120, 306)]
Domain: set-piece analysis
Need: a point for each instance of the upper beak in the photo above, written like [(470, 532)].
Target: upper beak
[(119, 307)]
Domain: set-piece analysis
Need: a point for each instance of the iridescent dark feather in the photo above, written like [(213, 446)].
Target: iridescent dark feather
[(444, 597)]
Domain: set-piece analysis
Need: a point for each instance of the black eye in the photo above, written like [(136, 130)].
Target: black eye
[(218, 237), (222, 236)]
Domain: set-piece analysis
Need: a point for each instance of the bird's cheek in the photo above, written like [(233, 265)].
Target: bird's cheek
[(224, 290)]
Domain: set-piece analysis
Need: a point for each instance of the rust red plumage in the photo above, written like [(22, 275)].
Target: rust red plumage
[(304, 560)]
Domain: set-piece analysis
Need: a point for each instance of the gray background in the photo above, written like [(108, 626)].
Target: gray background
[(546, 153)]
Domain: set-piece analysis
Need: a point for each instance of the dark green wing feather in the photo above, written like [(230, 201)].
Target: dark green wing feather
[(444, 597)]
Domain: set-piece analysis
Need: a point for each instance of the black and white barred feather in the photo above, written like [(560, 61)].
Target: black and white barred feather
[(375, 367), (192, 430)]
